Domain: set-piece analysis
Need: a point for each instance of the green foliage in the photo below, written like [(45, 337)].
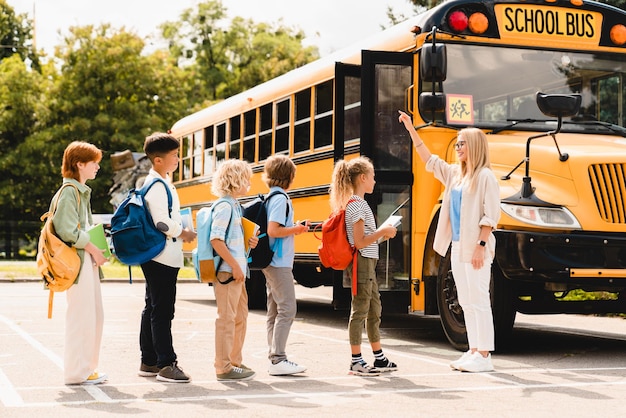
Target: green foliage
[(224, 58), (16, 35)]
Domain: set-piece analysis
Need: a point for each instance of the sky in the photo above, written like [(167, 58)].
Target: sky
[(328, 24)]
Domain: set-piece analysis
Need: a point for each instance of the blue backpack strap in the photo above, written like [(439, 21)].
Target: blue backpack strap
[(232, 213), (278, 242), (146, 187)]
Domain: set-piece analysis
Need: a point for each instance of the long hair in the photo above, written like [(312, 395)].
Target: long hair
[(344, 179), (477, 155), (78, 152)]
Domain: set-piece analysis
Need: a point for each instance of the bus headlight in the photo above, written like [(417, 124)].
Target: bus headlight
[(560, 218)]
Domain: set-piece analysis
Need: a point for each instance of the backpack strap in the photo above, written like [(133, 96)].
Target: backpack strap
[(146, 187), (354, 258), (278, 242), (217, 202)]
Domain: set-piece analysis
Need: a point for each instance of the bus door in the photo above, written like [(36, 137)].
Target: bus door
[(385, 78)]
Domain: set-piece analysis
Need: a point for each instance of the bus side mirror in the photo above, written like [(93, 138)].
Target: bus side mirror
[(433, 63), (559, 105), (435, 102)]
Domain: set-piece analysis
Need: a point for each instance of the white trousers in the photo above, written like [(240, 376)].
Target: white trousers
[(472, 288), (83, 324)]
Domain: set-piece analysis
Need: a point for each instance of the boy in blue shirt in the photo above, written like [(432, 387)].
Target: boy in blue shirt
[(281, 297)]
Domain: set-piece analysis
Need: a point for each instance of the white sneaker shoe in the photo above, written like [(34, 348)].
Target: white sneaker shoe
[(456, 363), (476, 363), (285, 368)]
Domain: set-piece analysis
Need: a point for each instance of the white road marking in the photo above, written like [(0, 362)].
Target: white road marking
[(8, 395)]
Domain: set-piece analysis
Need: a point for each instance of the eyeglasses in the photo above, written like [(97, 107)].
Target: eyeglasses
[(459, 145)]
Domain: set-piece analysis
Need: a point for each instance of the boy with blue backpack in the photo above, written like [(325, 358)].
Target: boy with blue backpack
[(161, 272), (281, 297), (231, 180)]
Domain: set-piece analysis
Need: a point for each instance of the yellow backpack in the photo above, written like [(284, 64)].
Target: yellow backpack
[(57, 262)]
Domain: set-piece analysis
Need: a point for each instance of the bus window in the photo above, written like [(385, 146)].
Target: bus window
[(283, 111), (352, 109), (265, 132), (249, 129), (186, 155), (302, 136), (208, 151), (235, 137), (197, 154), (220, 143), (323, 114)]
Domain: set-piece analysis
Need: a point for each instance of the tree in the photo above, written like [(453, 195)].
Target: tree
[(16, 35), (223, 59)]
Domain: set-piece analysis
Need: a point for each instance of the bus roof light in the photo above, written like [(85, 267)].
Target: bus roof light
[(618, 35), (457, 21), (478, 23)]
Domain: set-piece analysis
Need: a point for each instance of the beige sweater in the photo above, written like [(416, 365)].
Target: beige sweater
[(478, 208)]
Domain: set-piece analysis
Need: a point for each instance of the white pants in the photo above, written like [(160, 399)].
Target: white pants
[(472, 288), (83, 324)]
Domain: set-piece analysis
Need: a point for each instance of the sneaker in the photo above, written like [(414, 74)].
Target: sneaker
[(476, 363), (242, 366), (285, 368), (95, 379), (363, 369), (385, 365), (173, 373), (236, 374), (456, 363), (148, 371)]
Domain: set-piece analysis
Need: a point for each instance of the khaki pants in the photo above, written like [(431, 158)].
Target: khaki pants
[(83, 324), (231, 322), (366, 308)]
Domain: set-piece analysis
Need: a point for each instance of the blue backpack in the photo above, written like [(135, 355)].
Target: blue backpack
[(135, 238), (205, 261)]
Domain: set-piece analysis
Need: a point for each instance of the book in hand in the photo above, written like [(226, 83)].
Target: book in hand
[(250, 229), (393, 220), (185, 214), (97, 237)]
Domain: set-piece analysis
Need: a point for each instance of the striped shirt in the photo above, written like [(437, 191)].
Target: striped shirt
[(356, 211), (222, 215)]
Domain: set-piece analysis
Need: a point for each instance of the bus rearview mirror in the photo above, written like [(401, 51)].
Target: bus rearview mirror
[(433, 63)]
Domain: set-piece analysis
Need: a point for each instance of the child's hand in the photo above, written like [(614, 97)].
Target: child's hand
[(253, 241), (187, 235), (238, 274), (389, 231), (301, 226)]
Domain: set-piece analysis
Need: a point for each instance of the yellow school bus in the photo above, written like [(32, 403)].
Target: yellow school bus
[(545, 80)]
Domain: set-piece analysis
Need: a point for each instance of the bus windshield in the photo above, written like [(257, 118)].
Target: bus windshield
[(503, 81)]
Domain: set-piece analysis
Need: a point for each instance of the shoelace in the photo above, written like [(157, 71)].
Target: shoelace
[(237, 369)]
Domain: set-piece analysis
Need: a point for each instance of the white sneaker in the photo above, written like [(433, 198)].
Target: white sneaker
[(456, 363), (285, 368), (476, 363)]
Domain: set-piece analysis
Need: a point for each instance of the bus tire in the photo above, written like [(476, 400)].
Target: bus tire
[(257, 294), (450, 312)]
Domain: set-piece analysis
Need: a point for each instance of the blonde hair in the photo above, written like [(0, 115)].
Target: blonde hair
[(344, 180), (231, 175), (477, 155), (279, 171)]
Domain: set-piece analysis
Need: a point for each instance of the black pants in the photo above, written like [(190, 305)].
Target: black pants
[(155, 338)]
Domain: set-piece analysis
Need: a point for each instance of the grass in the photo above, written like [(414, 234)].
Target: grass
[(111, 270)]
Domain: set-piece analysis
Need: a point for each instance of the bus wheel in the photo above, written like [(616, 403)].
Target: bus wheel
[(255, 286), (450, 312)]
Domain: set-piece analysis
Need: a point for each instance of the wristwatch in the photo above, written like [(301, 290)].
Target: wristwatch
[(481, 243)]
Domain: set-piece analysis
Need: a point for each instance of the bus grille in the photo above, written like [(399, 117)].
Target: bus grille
[(608, 182)]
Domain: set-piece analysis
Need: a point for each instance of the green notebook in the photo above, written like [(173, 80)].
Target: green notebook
[(97, 237)]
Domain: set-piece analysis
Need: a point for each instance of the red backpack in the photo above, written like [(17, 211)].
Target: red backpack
[(335, 251)]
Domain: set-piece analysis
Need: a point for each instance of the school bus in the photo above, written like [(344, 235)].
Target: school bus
[(543, 79)]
